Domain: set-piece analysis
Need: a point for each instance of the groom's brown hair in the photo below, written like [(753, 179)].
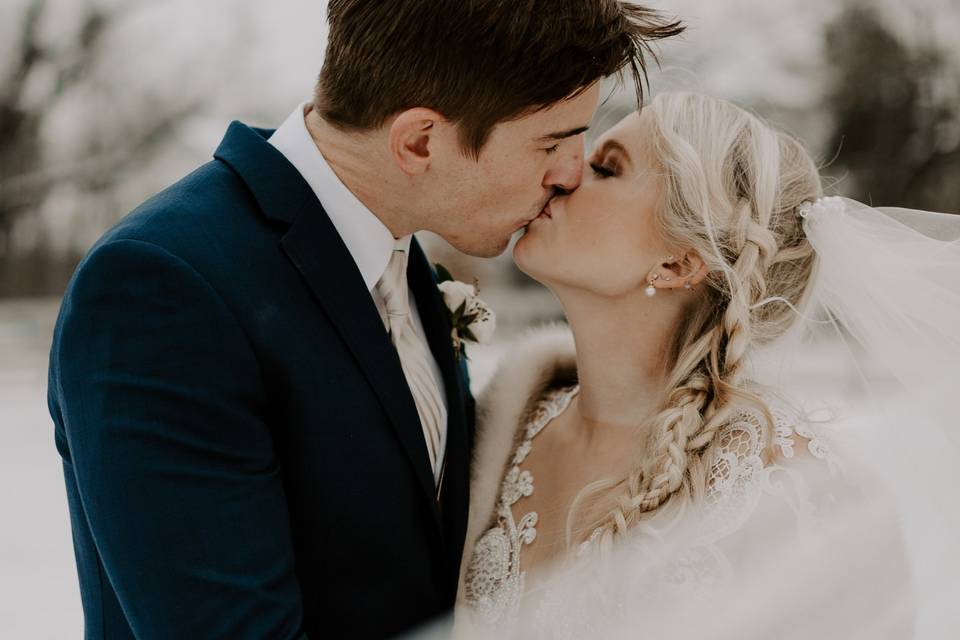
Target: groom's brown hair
[(477, 62)]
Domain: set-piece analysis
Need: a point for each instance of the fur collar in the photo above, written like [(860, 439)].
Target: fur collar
[(540, 360)]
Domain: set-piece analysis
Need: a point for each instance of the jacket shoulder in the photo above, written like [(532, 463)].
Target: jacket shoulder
[(204, 200)]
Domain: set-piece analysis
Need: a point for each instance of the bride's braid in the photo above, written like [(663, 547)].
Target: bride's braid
[(736, 205), (711, 365)]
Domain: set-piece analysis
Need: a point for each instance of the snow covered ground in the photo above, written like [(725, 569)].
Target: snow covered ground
[(39, 597)]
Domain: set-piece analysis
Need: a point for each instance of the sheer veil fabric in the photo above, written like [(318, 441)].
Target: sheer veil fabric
[(889, 283)]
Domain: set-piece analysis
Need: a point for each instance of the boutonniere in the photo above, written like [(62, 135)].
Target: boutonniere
[(472, 320)]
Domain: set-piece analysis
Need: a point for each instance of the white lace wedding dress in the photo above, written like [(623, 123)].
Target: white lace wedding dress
[(682, 561)]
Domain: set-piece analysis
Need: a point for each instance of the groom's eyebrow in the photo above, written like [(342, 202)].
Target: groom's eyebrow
[(560, 135)]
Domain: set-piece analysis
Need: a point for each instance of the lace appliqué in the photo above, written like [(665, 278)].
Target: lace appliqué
[(784, 432), (494, 583)]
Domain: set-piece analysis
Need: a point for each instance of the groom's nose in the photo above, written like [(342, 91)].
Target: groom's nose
[(567, 173)]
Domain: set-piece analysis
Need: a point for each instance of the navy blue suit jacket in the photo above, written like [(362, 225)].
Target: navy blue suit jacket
[(242, 455)]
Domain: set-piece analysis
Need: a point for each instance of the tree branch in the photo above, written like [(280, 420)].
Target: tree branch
[(28, 54)]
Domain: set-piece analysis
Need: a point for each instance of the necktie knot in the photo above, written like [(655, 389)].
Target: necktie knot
[(393, 288)]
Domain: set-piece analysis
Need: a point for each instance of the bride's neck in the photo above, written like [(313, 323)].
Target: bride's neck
[(622, 356)]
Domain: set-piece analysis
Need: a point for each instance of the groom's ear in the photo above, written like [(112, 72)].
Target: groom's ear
[(410, 137)]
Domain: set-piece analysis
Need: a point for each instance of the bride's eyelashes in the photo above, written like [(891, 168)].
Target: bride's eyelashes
[(605, 164), (601, 171), (553, 149)]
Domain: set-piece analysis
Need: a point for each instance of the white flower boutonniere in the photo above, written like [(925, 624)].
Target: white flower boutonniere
[(471, 319)]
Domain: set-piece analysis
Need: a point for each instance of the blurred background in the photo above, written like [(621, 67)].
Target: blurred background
[(102, 104)]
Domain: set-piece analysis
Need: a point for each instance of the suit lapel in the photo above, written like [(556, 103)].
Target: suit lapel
[(315, 248)]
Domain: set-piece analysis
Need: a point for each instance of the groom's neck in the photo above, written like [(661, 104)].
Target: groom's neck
[(362, 162)]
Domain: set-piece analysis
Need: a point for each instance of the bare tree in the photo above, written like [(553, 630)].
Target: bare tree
[(19, 148), (26, 175), (890, 115)]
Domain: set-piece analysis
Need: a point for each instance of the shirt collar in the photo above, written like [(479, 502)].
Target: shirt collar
[(368, 240)]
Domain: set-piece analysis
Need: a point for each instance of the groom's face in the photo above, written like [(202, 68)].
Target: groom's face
[(481, 202)]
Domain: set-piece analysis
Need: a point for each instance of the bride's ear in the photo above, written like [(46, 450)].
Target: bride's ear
[(410, 136), (685, 272)]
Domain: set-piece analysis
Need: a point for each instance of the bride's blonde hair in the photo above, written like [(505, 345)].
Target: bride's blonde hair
[(732, 186)]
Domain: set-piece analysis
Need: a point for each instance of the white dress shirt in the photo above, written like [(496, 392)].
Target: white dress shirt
[(368, 240)]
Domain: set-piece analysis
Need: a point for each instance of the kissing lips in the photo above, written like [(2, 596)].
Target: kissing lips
[(545, 214)]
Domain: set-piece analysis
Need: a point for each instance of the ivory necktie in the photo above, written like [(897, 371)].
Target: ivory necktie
[(413, 357)]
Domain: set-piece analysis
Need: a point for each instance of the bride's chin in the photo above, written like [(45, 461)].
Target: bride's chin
[(522, 250), (527, 255)]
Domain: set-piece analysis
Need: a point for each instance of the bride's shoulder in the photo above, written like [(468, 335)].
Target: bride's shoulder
[(770, 464), (772, 447)]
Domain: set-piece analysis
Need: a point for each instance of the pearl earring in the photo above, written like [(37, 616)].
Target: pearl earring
[(651, 290)]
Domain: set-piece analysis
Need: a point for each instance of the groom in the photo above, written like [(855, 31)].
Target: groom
[(264, 430)]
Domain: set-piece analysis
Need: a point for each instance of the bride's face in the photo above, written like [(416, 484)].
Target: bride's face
[(602, 237)]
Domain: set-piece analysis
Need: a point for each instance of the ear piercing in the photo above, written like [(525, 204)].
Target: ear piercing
[(651, 289)]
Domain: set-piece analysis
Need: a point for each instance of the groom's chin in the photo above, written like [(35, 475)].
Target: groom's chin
[(483, 249)]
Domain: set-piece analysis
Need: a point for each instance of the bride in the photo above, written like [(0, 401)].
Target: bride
[(631, 469)]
